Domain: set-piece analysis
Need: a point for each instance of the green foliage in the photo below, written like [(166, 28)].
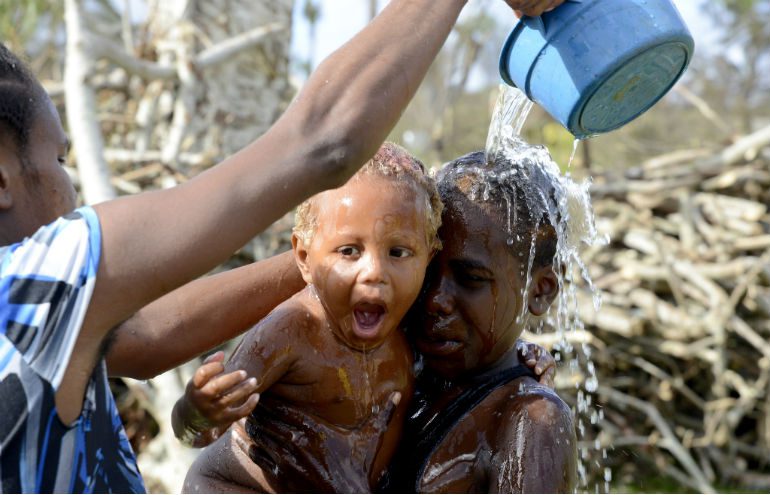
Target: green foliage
[(29, 21), (740, 7)]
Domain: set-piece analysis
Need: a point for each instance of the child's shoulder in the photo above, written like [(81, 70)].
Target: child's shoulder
[(300, 312)]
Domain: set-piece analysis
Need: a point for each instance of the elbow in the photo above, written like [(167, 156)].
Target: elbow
[(127, 358), (337, 156), (337, 139), (142, 374), (131, 368)]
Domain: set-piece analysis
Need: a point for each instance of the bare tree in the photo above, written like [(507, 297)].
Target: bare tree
[(83, 123), (150, 105)]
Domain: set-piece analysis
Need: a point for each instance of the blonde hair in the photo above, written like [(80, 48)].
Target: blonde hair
[(392, 162)]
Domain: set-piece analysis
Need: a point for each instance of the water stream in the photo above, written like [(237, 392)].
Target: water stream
[(574, 224)]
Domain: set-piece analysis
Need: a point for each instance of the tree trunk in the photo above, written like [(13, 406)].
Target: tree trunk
[(82, 118), (216, 110)]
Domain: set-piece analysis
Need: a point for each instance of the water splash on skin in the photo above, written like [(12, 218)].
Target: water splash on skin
[(573, 219), (367, 388), (510, 478)]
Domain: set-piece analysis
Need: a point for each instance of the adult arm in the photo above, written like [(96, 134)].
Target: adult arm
[(537, 448), (154, 242), (200, 315)]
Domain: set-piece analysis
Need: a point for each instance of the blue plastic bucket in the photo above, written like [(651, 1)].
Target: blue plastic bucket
[(595, 65)]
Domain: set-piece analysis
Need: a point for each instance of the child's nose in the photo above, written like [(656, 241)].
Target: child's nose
[(373, 271)]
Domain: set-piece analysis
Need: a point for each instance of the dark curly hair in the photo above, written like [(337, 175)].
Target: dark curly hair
[(522, 197), (21, 96)]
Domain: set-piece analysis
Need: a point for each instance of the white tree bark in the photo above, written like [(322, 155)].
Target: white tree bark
[(82, 119), (208, 77), (230, 59)]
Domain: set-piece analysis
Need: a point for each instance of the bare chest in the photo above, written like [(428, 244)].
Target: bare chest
[(460, 461), (344, 388)]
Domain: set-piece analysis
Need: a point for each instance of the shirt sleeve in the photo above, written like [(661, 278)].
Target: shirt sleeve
[(46, 283)]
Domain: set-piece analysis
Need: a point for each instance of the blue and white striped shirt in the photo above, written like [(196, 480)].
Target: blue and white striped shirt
[(46, 283)]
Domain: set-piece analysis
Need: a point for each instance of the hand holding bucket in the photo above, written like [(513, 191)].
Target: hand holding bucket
[(595, 65)]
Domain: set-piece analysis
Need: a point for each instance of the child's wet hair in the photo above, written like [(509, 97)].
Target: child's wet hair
[(522, 199), (20, 98), (392, 162)]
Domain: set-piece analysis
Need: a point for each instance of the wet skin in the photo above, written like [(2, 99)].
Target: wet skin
[(520, 438), (334, 350)]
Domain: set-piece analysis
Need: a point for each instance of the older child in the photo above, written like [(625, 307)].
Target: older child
[(333, 350), (478, 423)]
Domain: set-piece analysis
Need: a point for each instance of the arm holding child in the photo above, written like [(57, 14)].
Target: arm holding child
[(201, 315)]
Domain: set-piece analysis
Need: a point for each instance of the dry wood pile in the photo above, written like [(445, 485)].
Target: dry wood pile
[(681, 343)]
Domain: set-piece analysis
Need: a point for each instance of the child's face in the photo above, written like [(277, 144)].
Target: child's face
[(467, 319), (367, 257)]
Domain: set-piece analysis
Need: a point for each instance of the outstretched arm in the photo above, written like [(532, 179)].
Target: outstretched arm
[(537, 447), (200, 315), (157, 241)]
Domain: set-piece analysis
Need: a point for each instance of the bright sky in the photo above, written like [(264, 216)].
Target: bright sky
[(341, 19)]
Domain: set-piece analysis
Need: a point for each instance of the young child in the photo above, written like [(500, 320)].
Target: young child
[(334, 349)]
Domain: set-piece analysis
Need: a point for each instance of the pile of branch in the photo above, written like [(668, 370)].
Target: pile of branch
[(681, 344)]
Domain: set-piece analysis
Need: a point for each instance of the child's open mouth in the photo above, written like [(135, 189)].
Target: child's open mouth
[(368, 318)]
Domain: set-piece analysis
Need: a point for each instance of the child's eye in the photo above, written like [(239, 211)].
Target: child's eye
[(400, 252), (348, 251), (469, 278)]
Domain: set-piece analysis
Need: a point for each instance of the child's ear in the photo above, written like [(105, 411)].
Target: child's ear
[(300, 256), (543, 291)]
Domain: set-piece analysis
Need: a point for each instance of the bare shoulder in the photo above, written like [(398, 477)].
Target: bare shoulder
[(541, 405), (290, 319), (282, 333), (537, 431), (301, 307)]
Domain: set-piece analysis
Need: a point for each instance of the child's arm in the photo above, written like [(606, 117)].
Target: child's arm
[(212, 401), (218, 395)]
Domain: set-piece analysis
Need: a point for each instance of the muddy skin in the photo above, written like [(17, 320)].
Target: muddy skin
[(334, 350), (520, 437)]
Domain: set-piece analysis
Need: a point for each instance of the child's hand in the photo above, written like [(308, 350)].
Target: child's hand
[(213, 400), (221, 399), (539, 360)]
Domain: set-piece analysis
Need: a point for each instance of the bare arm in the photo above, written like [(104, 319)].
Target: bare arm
[(537, 448), (266, 353), (157, 241), (201, 315)]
